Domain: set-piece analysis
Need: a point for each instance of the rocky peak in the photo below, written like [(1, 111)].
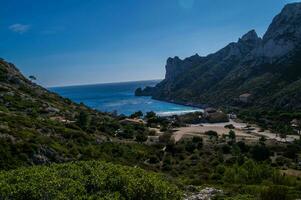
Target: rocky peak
[(250, 36), (287, 23), (175, 66), (247, 43), (284, 33), (174, 60)]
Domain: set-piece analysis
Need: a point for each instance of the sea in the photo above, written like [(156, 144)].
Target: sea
[(120, 98)]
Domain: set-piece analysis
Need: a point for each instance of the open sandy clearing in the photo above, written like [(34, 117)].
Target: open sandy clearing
[(253, 133)]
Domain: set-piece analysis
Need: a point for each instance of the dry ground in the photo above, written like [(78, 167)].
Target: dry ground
[(251, 134)]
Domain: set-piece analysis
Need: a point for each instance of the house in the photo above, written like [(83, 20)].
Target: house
[(232, 116), (208, 111), (132, 121), (245, 98), (296, 125), (61, 119), (295, 122), (152, 140)]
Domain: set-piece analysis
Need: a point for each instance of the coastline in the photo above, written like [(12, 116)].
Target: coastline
[(191, 104)]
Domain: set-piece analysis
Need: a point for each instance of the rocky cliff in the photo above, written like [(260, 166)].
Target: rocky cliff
[(268, 69)]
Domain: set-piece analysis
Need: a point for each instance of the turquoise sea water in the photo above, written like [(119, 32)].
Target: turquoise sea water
[(120, 97)]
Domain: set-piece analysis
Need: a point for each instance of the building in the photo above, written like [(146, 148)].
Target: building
[(132, 121), (245, 98), (209, 111)]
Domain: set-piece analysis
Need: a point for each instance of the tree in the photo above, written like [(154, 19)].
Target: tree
[(212, 135), (151, 118), (274, 192), (150, 115), (137, 114), (83, 120), (262, 140), (141, 138), (230, 126), (232, 135), (260, 153), (32, 78)]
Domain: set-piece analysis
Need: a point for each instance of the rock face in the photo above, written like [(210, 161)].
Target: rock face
[(175, 66), (205, 194), (257, 66), (284, 33)]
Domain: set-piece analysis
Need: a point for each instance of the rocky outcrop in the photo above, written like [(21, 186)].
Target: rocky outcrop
[(205, 194), (253, 65), (284, 33), (175, 66)]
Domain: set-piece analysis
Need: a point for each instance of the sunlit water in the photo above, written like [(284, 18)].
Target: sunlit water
[(120, 97)]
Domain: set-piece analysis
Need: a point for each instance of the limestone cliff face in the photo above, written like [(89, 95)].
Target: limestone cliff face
[(175, 66), (284, 33), (255, 65)]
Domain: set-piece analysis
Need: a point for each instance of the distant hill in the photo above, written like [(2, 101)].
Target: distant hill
[(253, 71)]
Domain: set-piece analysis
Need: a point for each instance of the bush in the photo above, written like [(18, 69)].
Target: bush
[(137, 114), (232, 135), (275, 193), (212, 134), (85, 180), (248, 173), (230, 126), (260, 153)]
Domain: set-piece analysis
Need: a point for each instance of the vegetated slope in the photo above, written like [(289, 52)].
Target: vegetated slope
[(268, 68), (85, 180), (38, 127)]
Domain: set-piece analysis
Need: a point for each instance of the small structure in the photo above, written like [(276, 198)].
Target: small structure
[(232, 116), (51, 109), (152, 140), (132, 121), (295, 122), (245, 98), (208, 111), (61, 119), (296, 125)]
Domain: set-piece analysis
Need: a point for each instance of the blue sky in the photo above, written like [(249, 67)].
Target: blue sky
[(71, 42)]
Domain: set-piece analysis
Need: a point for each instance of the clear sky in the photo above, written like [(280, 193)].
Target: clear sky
[(71, 42)]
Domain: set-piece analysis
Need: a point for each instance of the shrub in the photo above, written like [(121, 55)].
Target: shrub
[(232, 135), (137, 114), (248, 173), (274, 192), (141, 138), (260, 153), (230, 126), (211, 134), (85, 180)]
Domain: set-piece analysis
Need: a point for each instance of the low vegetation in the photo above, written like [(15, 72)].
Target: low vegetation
[(85, 180)]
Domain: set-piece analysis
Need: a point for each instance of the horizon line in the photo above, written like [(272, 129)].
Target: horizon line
[(102, 83)]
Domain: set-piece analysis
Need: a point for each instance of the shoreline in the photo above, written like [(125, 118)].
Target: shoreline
[(200, 106)]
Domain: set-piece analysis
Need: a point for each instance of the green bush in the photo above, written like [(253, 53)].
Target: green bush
[(248, 173), (85, 180), (275, 193)]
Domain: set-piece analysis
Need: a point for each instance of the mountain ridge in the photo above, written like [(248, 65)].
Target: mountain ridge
[(253, 65)]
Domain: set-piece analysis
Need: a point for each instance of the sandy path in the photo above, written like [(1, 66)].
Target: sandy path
[(197, 130)]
